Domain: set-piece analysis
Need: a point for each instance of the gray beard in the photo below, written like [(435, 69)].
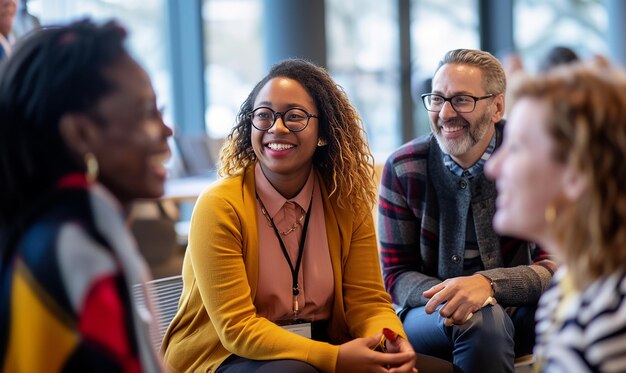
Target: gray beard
[(461, 146)]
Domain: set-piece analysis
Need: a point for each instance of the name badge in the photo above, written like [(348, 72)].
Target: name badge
[(303, 329)]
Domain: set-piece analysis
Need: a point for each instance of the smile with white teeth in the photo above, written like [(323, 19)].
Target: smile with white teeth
[(452, 129), (275, 146), (159, 159)]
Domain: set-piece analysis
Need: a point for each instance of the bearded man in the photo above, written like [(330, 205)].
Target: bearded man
[(464, 293)]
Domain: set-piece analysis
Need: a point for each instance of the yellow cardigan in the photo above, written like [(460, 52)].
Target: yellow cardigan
[(216, 315)]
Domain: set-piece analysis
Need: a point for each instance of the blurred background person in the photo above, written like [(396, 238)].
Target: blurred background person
[(556, 56), (600, 60), (7, 37), (512, 64), (553, 57), (80, 139), (560, 175)]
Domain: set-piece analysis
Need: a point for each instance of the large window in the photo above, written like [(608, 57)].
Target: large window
[(233, 47), (438, 26), (363, 58), (363, 38), (146, 24), (540, 25)]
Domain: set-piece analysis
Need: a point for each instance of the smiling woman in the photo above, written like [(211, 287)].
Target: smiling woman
[(80, 139), (282, 269), (560, 179)]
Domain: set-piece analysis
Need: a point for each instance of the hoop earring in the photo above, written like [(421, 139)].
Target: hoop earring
[(91, 167), (322, 142), (550, 214)]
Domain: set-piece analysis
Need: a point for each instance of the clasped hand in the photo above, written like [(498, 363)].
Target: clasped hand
[(460, 296), (358, 355)]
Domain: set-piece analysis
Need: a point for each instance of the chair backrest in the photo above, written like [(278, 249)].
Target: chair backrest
[(166, 294)]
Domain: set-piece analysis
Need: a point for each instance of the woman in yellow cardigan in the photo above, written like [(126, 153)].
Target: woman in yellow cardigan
[(282, 270)]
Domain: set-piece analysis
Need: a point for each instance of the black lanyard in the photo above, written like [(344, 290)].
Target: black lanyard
[(296, 269)]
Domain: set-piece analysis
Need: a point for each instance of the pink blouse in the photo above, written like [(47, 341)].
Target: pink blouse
[(274, 297)]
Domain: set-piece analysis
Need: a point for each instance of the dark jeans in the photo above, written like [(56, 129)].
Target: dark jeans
[(524, 321), (236, 364), (483, 344)]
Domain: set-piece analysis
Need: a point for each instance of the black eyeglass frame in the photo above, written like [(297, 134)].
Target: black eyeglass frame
[(425, 96), (280, 114)]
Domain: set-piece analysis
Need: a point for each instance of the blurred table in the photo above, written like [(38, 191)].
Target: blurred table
[(186, 189), (180, 195)]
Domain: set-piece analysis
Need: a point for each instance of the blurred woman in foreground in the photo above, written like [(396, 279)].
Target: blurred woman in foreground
[(80, 139), (560, 178)]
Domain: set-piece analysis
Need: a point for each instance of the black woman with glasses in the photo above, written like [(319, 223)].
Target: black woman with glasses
[(282, 272), (464, 293)]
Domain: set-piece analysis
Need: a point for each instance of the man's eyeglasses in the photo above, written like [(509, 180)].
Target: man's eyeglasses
[(460, 103), (295, 119)]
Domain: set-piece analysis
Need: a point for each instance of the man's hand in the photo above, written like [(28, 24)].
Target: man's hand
[(461, 295)]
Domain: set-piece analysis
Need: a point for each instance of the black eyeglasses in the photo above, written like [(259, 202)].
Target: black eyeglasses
[(460, 103), (295, 119)]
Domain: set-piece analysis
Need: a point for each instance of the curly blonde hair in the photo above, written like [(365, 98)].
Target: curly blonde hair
[(587, 126), (345, 163)]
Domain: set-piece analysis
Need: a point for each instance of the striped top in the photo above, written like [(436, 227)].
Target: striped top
[(582, 331)]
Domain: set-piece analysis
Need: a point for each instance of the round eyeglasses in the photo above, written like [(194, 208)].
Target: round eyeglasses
[(295, 119), (460, 103)]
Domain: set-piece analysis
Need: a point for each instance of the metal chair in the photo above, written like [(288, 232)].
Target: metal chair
[(166, 294)]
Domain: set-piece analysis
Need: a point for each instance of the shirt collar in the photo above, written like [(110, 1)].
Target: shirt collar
[(273, 200), (477, 168)]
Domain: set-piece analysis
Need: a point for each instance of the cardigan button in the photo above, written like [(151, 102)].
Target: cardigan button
[(462, 184), (456, 259)]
